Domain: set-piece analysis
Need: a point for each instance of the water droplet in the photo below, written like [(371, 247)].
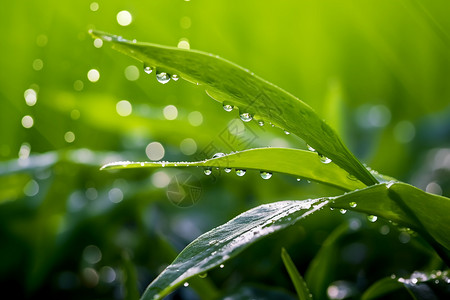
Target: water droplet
[(162, 77), (227, 107), (246, 117), (311, 148), (186, 284), (222, 266), (240, 172), (261, 123), (343, 211), (219, 154), (265, 175), (353, 204), (203, 275), (207, 171), (287, 132), (175, 77), (298, 179), (324, 159), (148, 69), (372, 218)]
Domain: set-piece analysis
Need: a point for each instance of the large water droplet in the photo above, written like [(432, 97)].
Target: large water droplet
[(353, 204), (227, 107), (207, 171), (265, 175), (175, 77), (324, 159), (240, 172), (246, 117), (343, 211), (227, 170), (372, 218), (163, 77), (148, 69), (219, 154)]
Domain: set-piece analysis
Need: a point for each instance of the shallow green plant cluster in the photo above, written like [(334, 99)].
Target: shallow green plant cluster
[(328, 162), (320, 172)]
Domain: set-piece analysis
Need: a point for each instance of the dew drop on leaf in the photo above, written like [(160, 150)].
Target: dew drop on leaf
[(343, 211), (324, 159), (207, 171), (240, 172), (162, 77), (186, 284), (298, 179), (265, 175), (222, 266), (372, 218), (227, 107), (175, 77), (219, 154), (203, 275), (246, 117), (311, 148), (227, 170), (352, 204), (261, 123), (287, 132), (148, 69)]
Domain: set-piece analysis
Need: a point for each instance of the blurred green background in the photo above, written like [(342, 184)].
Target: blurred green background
[(378, 71)]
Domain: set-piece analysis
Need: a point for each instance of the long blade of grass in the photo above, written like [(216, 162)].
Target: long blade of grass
[(299, 163), (226, 241), (231, 84), (300, 285)]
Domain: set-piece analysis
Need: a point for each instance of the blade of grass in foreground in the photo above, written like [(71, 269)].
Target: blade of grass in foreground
[(232, 85), (299, 284), (299, 163), (226, 241)]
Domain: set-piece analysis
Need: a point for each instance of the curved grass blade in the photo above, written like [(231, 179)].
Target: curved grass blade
[(320, 272), (226, 241), (231, 84), (420, 285), (406, 205), (300, 285), (300, 163), (381, 288)]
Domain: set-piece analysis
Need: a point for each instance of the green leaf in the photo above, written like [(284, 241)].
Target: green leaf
[(320, 272), (406, 205), (231, 84), (381, 287), (299, 163), (226, 241), (421, 286), (299, 284)]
